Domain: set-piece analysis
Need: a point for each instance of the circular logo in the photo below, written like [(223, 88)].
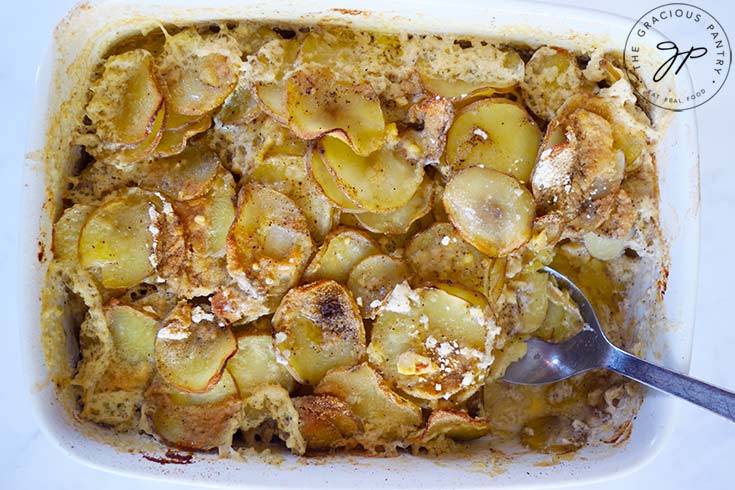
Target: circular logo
[(679, 56)]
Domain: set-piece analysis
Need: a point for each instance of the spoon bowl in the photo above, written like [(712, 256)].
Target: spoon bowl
[(545, 362)]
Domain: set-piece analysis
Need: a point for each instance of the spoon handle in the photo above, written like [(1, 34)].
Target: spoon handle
[(705, 395)]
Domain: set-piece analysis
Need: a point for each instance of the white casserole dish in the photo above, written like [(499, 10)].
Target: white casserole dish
[(101, 22)]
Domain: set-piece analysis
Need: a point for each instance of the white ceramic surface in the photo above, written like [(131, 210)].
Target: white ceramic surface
[(408, 477)]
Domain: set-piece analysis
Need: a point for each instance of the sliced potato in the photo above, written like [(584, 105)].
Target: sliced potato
[(477, 65), (372, 279), (317, 327), (494, 133), (318, 104), (426, 135), (193, 421), (440, 254), (329, 185), (185, 176), (609, 240), (269, 66), (628, 121), (133, 332), (578, 178), (270, 407), (173, 141), (454, 425), (524, 304), (381, 182), (254, 364), (240, 107), (198, 73), (454, 89), (342, 250), (495, 280), (124, 157), (431, 344), (117, 241), (326, 422), (399, 221), (512, 351), (126, 99), (552, 77), (191, 348), (491, 210), (386, 416), (563, 319), (66, 235), (287, 174), (269, 244)]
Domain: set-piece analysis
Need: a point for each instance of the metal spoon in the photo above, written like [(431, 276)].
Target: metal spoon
[(590, 349)]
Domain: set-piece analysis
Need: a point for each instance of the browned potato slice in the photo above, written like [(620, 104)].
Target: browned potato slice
[(117, 241), (454, 425), (124, 157), (317, 327), (563, 319), (198, 73), (254, 364), (381, 182), (552, 77), (173, 141), (399, 221), (329, 185), (431, 344), (191, 348), (317, 104), (609, 240), (208, 218), (494, 133), (185, 176), (326, 422), (629, 123), (193, 421), (578, 178), (126, 99), (133, 332), (288, 174), (491, 210), (269, 68), (554, 434), (66, 234), (372, 279), (440, 254), (341, 251), (426, 135), (269, 244), (385, 415)]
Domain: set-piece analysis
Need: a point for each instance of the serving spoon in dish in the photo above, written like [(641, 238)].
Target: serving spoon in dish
[(589, 349)]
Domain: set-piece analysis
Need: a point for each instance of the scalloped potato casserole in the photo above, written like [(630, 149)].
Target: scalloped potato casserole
[(333, 238)]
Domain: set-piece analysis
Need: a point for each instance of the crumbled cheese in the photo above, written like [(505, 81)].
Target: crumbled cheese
[(430, 342), (174, 332), (154, 230), (198, 314), (281, 337), (200, 220), (467, 379), (401, 298), (438, 387), (358, 300), (445, 240), (375, 303), (479, 132)]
